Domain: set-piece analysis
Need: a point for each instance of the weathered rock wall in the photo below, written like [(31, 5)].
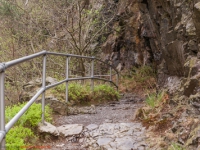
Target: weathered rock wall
[(175, 24), (124, 47), (161, 33)]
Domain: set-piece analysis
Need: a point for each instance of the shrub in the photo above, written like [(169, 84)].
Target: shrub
[(21, 132), (154, 99), (82, 94), (79, 93), (32, 116), (105, 92), (16, 137)]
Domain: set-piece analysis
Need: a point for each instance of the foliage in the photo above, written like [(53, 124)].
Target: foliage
[(175, 146), (82, 94), (104, 92), (20, 134), (154, 99), (31, 118), (17, 136), (7, 8), (68, 26), (151, 114), (78, 93)]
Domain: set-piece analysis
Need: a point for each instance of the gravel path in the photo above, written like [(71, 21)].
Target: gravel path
[(110, 128), (116, 112)]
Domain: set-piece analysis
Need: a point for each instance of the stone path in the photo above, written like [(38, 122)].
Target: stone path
[(109, 128)]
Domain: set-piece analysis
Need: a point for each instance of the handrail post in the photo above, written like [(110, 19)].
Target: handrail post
[(2, 108), (67, 77), (43, 86), (92, 74)]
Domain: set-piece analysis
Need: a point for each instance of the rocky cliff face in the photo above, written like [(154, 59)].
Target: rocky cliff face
[(161, 33), (164, 34)]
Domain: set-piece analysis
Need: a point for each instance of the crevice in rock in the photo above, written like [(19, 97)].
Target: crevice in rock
[(148, 48), (145, 2)]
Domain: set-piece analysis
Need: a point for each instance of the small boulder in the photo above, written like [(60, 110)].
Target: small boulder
[(57, 106), (70, 129), (48, 128)]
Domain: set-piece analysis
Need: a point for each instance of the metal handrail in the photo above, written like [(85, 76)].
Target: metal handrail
[(3, 66)]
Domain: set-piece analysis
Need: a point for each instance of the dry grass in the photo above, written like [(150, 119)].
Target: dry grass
[(140, 81)]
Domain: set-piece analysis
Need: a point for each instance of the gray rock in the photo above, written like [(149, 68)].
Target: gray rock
[(192, 45), (124, 127), (196, 17), (92, 127), (57, 106), (70, 130), (175, 50), (172, 84), (125, 143), (48, 128), (107, 128), (104, 141), (95, 133), (190, 27), (50, 81)]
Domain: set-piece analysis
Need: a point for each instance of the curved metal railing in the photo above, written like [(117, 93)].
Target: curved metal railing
[(3, 66)]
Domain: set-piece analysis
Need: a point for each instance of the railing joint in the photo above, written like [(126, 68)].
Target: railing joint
[(3, 132), (2, 67)]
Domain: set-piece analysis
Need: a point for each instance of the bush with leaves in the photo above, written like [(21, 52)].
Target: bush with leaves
[(105, 92), (32, 116), (22, 131), (17, 137), (79, 93), (82, 94)]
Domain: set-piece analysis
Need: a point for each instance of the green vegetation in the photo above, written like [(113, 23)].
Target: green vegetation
[(154, 99), (17, 137), (104, 92), (82, 94), (22, 132), (79, 93), (151, 113), (27, 27), (175, 146)]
